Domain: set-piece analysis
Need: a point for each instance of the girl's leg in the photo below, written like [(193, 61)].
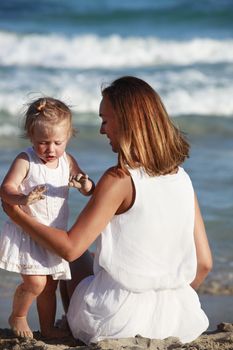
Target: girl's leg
[(80, 268), (46, 305), (24, 295)]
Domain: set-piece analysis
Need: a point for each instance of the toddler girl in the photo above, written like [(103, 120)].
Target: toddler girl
[(38, 181)]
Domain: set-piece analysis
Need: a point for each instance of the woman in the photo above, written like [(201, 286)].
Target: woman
[(152, 249)]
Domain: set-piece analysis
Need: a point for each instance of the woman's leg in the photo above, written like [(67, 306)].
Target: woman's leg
[(24, 295), (47, 305), (80, 268)]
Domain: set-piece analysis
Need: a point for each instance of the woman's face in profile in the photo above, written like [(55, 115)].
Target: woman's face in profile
[(109, 125)]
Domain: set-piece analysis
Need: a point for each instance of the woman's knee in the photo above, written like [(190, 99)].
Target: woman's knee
[(51, 285), (80, 269)]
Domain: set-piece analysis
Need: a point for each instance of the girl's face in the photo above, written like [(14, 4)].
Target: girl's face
[(109, 125), (50, 143)]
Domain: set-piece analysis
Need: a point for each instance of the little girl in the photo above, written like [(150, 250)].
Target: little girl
[(38, 181)]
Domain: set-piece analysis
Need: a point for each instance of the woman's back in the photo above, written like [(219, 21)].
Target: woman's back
[(151, 246)]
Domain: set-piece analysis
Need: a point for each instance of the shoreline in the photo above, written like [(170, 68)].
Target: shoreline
[(220, 339), (218, 309)]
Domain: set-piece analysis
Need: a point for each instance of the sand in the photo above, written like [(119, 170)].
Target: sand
[(220, 339)]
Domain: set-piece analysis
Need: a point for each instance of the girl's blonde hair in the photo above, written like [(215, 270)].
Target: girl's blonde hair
[(147, 136), (46, 112)]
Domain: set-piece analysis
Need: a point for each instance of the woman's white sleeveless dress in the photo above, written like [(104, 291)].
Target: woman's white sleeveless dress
[(18, 252), (144, 264)]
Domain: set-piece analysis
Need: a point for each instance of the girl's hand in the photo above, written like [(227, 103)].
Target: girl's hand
[(81, 182), (35, 195)]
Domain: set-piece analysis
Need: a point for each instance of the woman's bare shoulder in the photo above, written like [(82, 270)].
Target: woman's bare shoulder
[(113, 188), (115, 176)]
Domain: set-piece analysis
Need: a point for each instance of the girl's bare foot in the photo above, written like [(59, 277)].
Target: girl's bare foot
[(20, 326), (55, 332)]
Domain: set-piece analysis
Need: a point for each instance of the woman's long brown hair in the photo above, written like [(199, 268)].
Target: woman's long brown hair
[(148, 137)]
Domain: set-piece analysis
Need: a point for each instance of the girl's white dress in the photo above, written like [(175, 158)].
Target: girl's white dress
[(18, 252), (144, 264)]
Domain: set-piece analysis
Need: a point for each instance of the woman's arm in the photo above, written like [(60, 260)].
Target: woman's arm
[(111, 193), (204, 257)]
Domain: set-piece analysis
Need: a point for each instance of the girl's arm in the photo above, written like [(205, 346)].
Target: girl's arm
[(112, 194), (204, 257), (10, 186), (79, 179)]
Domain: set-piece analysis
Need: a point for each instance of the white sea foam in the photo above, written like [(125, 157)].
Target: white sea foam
[(189, 91), (185, 89), (114, 51), (210, 101)]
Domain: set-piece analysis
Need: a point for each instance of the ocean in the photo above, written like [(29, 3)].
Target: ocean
[(69, 49)]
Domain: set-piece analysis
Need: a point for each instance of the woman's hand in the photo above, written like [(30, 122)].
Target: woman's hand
[(11, 210), (204, 256)]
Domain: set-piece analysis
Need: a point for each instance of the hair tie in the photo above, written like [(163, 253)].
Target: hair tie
[(41, 105)]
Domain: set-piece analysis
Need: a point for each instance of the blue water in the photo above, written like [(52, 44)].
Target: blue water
[(184, 49)]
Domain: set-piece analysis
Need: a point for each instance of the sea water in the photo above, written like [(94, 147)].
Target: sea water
[(69, 49)]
